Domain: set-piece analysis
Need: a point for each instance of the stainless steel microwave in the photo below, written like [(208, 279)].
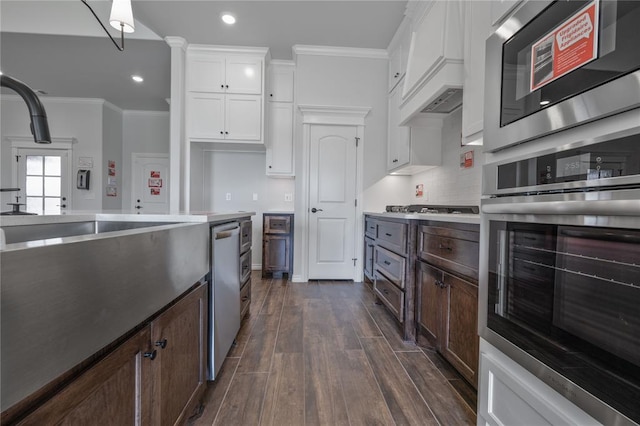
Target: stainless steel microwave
[(554, 65)]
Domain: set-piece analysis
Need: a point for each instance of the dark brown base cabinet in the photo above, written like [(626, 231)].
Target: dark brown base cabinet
[(448, 318), (277, 244), (157, 376)]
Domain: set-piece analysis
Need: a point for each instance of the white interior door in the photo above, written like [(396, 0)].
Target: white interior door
[(332, 195), (150, 183), (44, 178)]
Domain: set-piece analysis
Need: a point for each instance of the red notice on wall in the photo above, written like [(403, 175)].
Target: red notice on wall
[(569, 46), (466, 160)]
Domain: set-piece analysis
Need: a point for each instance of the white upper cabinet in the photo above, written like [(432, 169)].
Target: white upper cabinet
[(224, 100), (396, 70), (280, 86), (399, 54), (477, 29), (501, 9), (280, 147), (227, 74)]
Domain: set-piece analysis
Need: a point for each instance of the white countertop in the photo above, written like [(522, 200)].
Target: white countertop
[(441, 217), (121, 215)]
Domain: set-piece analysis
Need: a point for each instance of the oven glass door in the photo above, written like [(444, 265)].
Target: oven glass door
[(569, 48), (570, 297)]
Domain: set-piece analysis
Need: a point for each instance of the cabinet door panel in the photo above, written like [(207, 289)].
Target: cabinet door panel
[(244, 75), (277, 253), (398, 143), (243, 118), (430, 299), (461, 341), (179, 368), (368, 257), (281, 84), (117, 391), (277, 224), (205, 73), (205, 116), (280, 142)]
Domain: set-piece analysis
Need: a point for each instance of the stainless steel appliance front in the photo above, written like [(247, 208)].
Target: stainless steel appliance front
[(518, 109), (559, 293)]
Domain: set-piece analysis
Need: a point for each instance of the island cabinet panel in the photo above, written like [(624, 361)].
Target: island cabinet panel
[(155, 377), (277, 244), (116, 390), (179, 365)]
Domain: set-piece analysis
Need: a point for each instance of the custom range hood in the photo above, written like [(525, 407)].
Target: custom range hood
[(435, 69)]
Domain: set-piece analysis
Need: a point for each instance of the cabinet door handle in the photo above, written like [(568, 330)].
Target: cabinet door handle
[(226, 86), (222, 86), (441, 247), (385, 291), (271, 95), (151, 355), (221, 132), (161, 343), (388, 234), (386, 262), (226, 133)]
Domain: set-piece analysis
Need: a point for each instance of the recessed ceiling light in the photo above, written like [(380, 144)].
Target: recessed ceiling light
[(228, 18), (543, 103), (137, 78)]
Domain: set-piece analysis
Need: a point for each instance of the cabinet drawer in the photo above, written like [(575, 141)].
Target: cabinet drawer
[(370, 227), (393, 236), (391, 265), (445, 250), (246, 233), (245, 298), (390, 295), (277, 224), (245, 266)]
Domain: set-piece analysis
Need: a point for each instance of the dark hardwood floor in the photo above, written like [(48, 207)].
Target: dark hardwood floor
[(323, 353)]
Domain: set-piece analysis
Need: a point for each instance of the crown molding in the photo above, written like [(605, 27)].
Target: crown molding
[(350, 52), (173, 41), (243, 50), (339, 115), (46, 99), (130, 112), (282, 63)]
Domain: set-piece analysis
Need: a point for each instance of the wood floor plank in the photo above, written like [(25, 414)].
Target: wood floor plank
[(324, 400), (275, 298), (258, 352), (216, 391), (243, 403), (284, 399), (435, 389), (290, 333), (389, 328), (363, 398), (259, 290), (364, 325), (405, 402)]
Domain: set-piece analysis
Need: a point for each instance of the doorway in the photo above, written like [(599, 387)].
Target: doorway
[(150, 177), (44, 178)]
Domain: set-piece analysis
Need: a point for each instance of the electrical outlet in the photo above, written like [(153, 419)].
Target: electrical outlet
[(255, 197), (228, 196), (288, 196)]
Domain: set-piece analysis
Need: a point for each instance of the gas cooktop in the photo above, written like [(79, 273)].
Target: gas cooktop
[(424, 208)]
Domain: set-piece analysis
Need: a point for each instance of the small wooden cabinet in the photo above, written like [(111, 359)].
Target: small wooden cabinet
[(277, 244), (157, 376)]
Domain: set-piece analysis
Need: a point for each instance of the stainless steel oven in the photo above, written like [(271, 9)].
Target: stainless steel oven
[(559, 64), (560, 269)]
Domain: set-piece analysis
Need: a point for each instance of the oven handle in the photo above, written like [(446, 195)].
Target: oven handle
[(563, 207), (607, 236)]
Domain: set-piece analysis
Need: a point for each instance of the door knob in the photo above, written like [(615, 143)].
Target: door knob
[(313, 210)]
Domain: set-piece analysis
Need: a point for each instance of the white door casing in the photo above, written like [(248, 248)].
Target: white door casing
[(150, 182), (313, 115), (332, 195)]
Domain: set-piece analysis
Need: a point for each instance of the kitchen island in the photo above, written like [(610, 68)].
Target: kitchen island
[(69, 300)]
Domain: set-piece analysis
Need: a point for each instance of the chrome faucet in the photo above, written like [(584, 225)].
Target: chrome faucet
[(39, 124)]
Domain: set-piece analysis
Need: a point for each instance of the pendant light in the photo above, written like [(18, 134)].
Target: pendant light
[(121, 18)]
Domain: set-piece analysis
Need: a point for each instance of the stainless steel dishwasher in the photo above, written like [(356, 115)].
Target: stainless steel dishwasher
[(224, 301)]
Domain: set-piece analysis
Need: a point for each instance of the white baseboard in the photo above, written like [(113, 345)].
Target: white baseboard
[(256, 267), (298, 279)]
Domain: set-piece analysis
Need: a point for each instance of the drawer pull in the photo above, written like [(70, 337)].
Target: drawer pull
[(161, 343), (386, 262), (151, 355), (441, 247), (440, 284), (388, 234), (385, 291), (245, 298)]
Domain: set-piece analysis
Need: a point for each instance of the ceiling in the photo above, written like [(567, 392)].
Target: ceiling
[(39, 46)]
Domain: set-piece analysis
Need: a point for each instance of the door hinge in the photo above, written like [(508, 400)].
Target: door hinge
[(17, 158), (355, 202), (354, 261), (357, 140)]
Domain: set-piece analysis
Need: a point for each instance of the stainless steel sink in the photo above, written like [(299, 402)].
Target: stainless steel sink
[(23, 233)]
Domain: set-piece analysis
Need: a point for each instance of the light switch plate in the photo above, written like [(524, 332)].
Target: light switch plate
[(255, 197), (228, 196), (288, 197)]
